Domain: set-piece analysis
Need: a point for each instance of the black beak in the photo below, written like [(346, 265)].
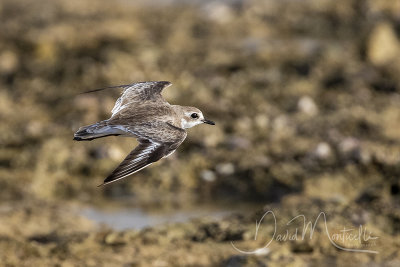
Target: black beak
[(209, 122)]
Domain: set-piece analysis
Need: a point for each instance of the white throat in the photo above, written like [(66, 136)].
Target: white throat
[(189, 124)]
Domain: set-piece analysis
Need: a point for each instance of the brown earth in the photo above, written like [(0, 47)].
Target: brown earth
[(306, 96)]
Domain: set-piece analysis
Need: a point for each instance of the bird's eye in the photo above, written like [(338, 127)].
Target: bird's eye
[(194, 115)]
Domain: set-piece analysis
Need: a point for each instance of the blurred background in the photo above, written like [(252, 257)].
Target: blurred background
[(305, 95)]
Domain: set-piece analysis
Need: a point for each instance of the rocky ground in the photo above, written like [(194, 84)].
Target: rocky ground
[(305, 94)]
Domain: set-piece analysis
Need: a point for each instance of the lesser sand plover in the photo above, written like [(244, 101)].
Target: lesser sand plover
[(141, 112)]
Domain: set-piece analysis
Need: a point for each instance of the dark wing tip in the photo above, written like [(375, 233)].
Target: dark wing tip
[(143, 155), (165, 83), (162, 84), (111, 178), (107, 181), (105, 88)]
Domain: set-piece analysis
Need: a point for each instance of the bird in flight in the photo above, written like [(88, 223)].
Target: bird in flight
[(141, 112)]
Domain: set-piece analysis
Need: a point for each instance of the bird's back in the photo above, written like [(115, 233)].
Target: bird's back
[(137, 114)]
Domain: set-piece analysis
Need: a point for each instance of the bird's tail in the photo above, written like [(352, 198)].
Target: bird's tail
[(97, 130)]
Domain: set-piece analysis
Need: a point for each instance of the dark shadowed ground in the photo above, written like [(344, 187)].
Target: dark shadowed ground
[(306, 97)]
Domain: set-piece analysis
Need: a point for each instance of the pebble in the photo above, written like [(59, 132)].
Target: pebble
[(307, 106), (225, 168), (208, 175), (323, 151)]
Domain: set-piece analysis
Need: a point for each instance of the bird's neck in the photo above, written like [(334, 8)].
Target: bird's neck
[(180, 117)]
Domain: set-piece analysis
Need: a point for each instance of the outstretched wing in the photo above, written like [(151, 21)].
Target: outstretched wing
[(156, 141), (140, 92), (143, 155), (136, 92)]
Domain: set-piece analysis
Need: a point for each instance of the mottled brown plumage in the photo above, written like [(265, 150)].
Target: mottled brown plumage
[(141, 112)]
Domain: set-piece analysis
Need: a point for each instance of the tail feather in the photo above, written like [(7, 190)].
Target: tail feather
[(97, 130)]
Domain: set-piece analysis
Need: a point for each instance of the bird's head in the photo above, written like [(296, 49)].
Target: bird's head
[(192, 116)]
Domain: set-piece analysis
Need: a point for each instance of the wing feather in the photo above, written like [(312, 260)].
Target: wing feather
[(143, 155), (156, 140), (140, 92), (136, 92)]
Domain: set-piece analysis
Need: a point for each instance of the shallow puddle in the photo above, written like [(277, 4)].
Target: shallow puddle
[(138, 218)]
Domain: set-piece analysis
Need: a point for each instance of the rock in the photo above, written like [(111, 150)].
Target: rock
[(8, 62), (323, 151), (218, 12), (307, 106), (350, 148), (243, 260), (114, 239), (236, 142), (301, 247), (286, 82), (383, 45), (225, 168), (261, 121), (115, 153), (208, 176), (282, 126)]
